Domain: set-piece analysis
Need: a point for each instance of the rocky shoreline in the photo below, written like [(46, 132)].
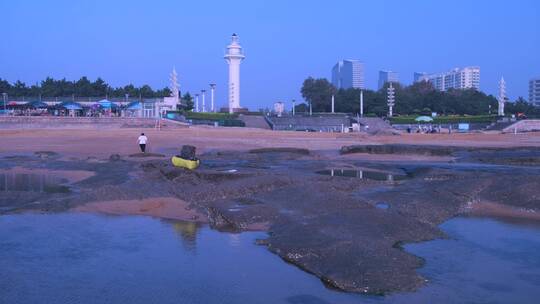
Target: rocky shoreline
[(329, 225)]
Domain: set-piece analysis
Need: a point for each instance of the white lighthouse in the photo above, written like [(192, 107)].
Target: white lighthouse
[(234, 57)]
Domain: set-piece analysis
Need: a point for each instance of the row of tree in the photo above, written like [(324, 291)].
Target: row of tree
[(418, 98), (81, 88)]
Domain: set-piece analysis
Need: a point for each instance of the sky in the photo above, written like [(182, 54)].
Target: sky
[(284, 41)]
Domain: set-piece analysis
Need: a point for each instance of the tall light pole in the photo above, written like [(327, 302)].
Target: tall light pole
[(203, 92), (196, 102), (5, 102), (212, 89), (391, 99), (502, 97), (361, 103), (332, 104), (293, 106)]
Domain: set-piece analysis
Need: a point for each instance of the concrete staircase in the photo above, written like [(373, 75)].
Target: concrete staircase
[(527, 125), (499, 126), (376, 125), (253, 121)]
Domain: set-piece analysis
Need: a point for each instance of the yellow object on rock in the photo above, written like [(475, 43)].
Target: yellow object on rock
[(185, 163)]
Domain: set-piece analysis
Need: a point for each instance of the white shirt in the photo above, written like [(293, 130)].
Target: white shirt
[(142, 140)]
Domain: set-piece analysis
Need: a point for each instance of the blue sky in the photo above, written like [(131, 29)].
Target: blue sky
[(285, 41)]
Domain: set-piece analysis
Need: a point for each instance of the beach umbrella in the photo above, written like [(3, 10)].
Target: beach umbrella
[(107, 104), (36, 104), (70, 105), (134, 105), (423, 118), (96, 106)]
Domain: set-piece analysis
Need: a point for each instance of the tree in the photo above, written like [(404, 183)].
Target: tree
[(165, 92), (100, 87), (522, 106), (83, 87), (5, 86), (418, 98), (146, 91), (318, 92), (19, 89), (301, 108), (187, 99)]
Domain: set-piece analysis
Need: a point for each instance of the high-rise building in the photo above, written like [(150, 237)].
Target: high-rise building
[(419, 76), (387, 76), (348, 74), (464, 78), (534, 91)]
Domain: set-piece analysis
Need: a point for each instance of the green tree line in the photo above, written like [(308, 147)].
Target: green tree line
[(83, 87), (420, 98)]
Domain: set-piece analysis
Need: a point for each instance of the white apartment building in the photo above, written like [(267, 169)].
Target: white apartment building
[(464, 78), (348, 74), (534, 91)]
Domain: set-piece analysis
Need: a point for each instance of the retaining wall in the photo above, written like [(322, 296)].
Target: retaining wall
[(55, 122)]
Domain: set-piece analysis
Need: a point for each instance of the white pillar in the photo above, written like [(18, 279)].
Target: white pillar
[(502, 97), (332, 103), (293, 105), (196, 102), (361, 103), (212, 89), (203, 93)]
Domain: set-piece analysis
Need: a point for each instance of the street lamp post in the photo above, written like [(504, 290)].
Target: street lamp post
[(361, 103), (5, 102), (203, 93), (212, 89), (293, 106)]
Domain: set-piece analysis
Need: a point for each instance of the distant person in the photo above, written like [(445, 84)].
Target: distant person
[(142, 142)]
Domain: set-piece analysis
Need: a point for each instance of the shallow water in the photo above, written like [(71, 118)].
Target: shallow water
[(33, 182), (84, 258), (363, 174)]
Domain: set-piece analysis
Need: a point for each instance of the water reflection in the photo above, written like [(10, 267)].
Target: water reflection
[(187, 232), (364, 174), (87, 259), (16, 181)]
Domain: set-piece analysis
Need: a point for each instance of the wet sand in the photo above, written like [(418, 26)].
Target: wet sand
[(161, 207), (490, 209)]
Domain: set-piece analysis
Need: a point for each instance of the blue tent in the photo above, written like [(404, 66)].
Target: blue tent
[(37, 104), (107, 104), (70, 105), (134, 105)]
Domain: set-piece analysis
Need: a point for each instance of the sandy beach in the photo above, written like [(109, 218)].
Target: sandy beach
[(102, 143)]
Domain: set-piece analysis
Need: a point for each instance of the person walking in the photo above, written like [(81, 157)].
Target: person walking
[(142, 142)]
